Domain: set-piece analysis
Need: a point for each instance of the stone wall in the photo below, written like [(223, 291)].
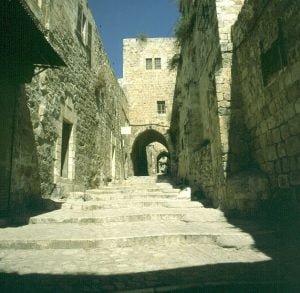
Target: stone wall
[(80, 105), (267, 71), (208, 127), (195, 129), (145, 87)]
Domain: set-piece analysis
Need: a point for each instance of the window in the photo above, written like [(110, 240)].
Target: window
[(161, 107), (273, 59), (79, 21), (89, 44), (157, 63), (84, 32), (66, 134), (148, 63), (99, 100)]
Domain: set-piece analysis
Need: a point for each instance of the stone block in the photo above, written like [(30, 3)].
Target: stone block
[(293, 163), (285, 165), (283, 181), (281, 151), (293, 145), (294, 178), (294, 125), (284, 131), (276, 135), (293, 92), (271, 153), (289, 111), (278, 168), (297, 106)]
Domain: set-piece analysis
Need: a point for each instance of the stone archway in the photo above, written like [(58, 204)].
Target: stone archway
[(139, 152)]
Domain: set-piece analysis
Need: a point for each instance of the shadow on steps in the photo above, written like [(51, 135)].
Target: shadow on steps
[(226, 277), (33, 209)]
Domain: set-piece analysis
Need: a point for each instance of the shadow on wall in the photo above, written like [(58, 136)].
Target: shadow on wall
[(246, 185), (21, 195)]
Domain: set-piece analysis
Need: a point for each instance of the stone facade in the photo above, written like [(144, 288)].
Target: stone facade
[(221, 104), (68, 122), (23, 45), (149, 85), (267, 78)]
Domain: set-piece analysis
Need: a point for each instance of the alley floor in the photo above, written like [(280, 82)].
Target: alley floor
[(144, 236)]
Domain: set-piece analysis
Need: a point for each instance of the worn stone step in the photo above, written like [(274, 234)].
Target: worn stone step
[(69, 236), (108, 219), (146, 214), (106, 190), (125, 260), (134, 203), (226, 241), (96, 195), (107, 242), (133, 190), (140, 186)]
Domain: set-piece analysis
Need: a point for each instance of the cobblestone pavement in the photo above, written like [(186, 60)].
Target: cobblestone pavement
[(155, 245)]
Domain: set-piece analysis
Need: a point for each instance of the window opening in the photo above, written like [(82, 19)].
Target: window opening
[(157, 63), (66, 134), (161, 107), (148, 63), (275, 58)]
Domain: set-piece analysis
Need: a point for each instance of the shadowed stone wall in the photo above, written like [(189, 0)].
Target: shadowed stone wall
[(83, 97), (267, 71), (235, 123)]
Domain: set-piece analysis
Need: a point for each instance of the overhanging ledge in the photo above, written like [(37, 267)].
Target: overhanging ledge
[(23, 42)]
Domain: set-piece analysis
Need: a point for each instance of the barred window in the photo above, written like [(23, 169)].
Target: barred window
[(148, 63), (157, 63), (161, 107), (84, 33)]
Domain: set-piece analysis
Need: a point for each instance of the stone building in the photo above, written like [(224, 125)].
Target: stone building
[(23, 47), (149, 87), (66, 127), (235, 122)]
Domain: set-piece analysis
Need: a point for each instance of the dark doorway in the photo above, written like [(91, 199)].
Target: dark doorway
[(65, 141), (139, 150), (7, 108), (162, 163)]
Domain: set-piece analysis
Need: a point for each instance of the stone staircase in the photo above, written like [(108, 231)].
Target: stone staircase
[(141, 234)]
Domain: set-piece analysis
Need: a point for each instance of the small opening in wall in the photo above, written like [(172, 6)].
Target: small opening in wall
[(157, 63), (148, 63), (65, 145), (161, 107), (274, 58)]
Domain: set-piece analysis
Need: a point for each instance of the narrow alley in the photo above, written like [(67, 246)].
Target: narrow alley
[(178, 173)]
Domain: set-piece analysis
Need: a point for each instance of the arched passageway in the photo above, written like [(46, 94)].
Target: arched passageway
[(143, 148)]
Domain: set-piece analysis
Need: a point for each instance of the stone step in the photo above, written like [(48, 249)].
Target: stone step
[(140, 186), (96, 195), (146, 214), (108, 190), (149, 267), (71, 236), (133, 203), (104, 220)]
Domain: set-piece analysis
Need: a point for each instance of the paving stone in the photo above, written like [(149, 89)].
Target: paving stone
[(129, 244)]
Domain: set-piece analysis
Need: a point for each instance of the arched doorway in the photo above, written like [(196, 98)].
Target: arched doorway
[(143, 148)]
